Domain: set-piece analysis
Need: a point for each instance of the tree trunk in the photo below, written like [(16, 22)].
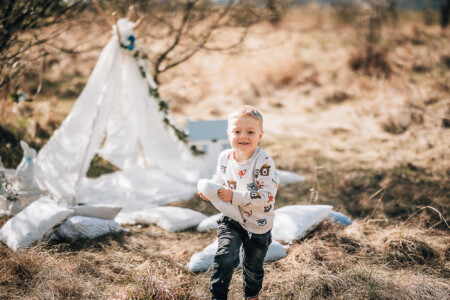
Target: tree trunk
[(274, 8), (445, 14)]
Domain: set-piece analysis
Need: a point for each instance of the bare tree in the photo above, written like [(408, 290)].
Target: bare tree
[(275, 10), (180, 29), (371, 58), (392, 10), (21, 24)]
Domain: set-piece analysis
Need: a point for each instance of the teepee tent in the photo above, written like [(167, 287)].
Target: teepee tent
[(116, 117)]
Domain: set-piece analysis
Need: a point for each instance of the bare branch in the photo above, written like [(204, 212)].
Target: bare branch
[(188, 9), (20, 25)]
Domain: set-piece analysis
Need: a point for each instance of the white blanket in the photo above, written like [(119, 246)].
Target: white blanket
[(134, 190)]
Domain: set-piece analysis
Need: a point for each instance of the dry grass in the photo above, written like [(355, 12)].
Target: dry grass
[(349, 134), (355, 262)]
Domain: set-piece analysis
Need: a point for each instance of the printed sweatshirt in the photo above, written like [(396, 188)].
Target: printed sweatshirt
[(254, 184)]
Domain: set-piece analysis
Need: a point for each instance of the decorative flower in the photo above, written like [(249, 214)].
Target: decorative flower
[(127, 38), (130, 42)]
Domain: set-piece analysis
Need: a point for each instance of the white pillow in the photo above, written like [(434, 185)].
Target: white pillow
[(209, 189), (81, 227), (209, 223), (287, 177), (202, 261), (294, 222), (275, 252), (32, 223), (126, 218), (170, 218), (108, 212)]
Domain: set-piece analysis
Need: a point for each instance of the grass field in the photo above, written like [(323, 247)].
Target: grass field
[(348, 133)]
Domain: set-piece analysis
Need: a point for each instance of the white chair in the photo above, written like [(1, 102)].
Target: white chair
[(210, 137)]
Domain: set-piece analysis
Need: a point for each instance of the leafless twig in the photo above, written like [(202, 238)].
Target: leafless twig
[(432, 208)]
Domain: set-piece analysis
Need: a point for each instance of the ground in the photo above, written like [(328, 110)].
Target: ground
[(374, 144)]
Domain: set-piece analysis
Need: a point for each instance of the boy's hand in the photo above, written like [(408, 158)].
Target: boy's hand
[(225, 194), (203, 197)]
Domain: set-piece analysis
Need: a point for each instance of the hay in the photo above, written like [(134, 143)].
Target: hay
[(402, 252)]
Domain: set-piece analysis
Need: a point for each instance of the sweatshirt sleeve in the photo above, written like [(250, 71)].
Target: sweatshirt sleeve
[(220, 169), (266, 180)]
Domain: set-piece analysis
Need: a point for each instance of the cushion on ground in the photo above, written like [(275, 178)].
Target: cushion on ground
[(82, 227), (209, 223), (209, 189), (287, 177), (340, 218), (32, 223), (108, 212), (170, 218), (202, 261), (294, 222)]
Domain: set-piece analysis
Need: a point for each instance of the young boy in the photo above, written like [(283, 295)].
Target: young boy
[(251, 183)]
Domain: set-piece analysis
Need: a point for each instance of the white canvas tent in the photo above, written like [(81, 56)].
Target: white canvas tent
[(116, 117)]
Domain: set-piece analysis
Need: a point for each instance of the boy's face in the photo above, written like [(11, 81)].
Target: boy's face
[(244, 134)]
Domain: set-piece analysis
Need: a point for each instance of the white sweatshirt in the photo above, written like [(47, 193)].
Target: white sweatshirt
[(254, 184)]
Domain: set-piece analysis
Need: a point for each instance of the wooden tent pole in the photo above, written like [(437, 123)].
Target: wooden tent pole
[(141, 149), (101, 12), (130, 12)]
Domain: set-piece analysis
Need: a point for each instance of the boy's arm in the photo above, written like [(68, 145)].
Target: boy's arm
[(220, 170), (266, 184), (217, 178)]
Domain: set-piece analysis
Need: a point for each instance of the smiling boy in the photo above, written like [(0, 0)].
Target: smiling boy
[(250, 185)]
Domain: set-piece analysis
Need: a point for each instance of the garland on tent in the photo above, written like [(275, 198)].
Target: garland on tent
[(143, 64)]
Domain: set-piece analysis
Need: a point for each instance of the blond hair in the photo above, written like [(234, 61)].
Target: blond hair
[(246, 111)]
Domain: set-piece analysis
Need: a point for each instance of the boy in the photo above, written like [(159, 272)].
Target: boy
[(251, 183)]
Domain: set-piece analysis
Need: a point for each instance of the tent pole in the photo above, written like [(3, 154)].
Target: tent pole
[(77, 184), (141, 149), (94, 124)]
